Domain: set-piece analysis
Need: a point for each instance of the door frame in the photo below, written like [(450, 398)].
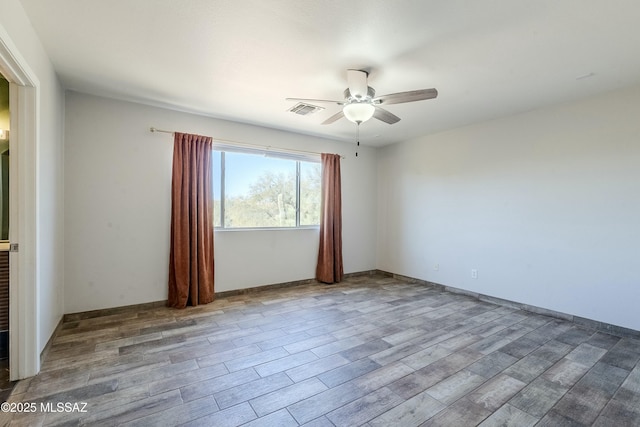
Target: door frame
[(24, 322)]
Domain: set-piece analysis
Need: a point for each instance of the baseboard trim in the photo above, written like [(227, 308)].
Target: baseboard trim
[(255, 289), (74, 317), (616, 330), (82, 315), (608, 328), (47, 346)]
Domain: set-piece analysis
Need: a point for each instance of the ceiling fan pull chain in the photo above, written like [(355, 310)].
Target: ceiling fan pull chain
[(357, 136)]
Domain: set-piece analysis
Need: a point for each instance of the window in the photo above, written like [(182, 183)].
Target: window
[(257, 189)]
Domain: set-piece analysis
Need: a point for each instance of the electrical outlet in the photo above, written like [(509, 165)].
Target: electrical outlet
[(474, 273), (436, 267)]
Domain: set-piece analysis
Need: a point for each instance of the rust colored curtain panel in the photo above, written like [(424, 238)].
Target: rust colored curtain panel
[(191, 255), (330, 269)]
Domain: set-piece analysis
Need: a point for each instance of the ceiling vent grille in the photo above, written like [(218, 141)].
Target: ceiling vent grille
[(303, 109)]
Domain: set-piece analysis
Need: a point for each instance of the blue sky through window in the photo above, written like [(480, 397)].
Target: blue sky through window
[(241, 170)]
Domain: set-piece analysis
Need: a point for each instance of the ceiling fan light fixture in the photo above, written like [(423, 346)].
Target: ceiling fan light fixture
[(358, 112)]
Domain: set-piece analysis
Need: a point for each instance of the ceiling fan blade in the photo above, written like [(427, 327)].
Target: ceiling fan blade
[(314, 100), (333, 118), (409, 96), (385, 116), (357, 81)]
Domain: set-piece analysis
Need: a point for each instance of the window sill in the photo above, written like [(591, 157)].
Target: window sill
[(308, 227)]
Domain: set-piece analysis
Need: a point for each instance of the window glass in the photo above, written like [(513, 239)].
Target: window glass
[(264, 190), (310, 179), (217, 187)]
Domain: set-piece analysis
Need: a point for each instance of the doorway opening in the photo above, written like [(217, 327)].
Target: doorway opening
[(24, 355)]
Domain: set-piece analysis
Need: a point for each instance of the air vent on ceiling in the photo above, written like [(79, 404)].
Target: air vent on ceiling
[(303, 109)]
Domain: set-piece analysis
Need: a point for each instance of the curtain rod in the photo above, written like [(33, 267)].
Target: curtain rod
[(268, 147)]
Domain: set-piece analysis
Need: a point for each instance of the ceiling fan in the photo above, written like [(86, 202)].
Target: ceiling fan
[(361, 103)]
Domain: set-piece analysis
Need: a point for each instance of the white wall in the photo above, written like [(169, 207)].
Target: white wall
[(49, 167), (545, 205), (117, 205)]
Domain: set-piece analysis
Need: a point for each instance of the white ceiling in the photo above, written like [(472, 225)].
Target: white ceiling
[(239, 59)]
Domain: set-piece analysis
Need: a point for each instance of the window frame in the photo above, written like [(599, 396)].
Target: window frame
[(298, 158)]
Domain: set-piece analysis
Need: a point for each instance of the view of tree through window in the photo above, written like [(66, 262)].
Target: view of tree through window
[(252, 190), (310, 179)]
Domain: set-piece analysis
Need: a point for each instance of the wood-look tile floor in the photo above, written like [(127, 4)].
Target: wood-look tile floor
[(6, 386), (372, 351)]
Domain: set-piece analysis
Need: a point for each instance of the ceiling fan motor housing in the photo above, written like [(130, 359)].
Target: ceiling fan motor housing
[(371, 93), (357, 83)]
